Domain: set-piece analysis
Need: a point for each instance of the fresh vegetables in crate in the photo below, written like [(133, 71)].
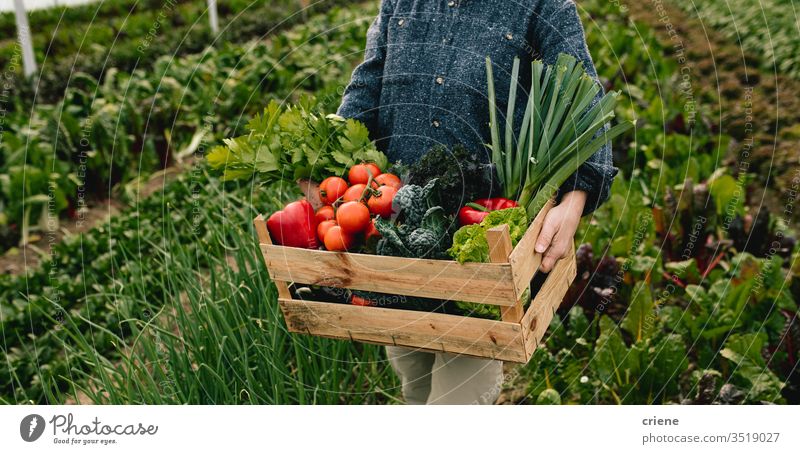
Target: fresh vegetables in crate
[(367, 210), (560, 130)]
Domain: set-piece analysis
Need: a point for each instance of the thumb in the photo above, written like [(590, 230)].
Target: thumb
[(549, 230)]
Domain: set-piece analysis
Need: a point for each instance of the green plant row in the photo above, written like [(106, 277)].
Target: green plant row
[(135, 35), (767, 29), (677, 300), (87, 272), (46, 20), (104, 135)]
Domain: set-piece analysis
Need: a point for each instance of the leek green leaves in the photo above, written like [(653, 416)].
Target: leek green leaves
[(558, 132)]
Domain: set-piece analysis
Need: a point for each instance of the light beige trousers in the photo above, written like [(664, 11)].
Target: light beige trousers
[(444, 378)]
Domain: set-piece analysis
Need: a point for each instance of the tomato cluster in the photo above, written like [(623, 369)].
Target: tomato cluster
[(351, 206)]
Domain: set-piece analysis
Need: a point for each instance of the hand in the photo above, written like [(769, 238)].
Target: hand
[(558, 230), (311, 191)]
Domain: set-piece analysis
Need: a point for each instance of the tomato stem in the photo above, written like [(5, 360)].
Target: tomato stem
[(369, 183)]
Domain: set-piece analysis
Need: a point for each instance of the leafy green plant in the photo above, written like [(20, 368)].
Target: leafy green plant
[(768, 31), (420, 229), (141, 32), (469, 242), (293, 143), (100, 138)]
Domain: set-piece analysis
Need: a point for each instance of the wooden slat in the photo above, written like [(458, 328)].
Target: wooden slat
[(429, 331), (524, 259), (547, 300), (487, 283), (499, 250), (264, 238)]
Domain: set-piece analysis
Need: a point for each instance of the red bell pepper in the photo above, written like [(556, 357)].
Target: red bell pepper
[(294, 226), (474, 212)]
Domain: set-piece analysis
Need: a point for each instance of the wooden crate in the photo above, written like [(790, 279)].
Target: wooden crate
[(501, 283)]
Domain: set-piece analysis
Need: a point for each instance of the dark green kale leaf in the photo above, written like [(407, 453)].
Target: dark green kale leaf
[(462, 175), (421, 229)]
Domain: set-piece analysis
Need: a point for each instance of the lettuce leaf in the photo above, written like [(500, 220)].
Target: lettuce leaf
[(469, 242)]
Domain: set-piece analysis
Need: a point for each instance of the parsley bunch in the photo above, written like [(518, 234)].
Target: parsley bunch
[(291, 143)]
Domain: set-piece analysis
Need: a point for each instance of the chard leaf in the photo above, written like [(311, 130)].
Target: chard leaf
[(611, 354), (744, 350), (640, 320)]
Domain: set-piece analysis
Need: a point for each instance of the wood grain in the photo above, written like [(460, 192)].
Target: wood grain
[(524, 259), (546, 302), (500, 249), (424, 330), (486, 283)]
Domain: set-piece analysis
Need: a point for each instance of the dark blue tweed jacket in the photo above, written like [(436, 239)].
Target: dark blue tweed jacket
[(423, 79)]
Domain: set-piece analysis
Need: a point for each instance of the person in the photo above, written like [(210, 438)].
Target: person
[(423, 83)]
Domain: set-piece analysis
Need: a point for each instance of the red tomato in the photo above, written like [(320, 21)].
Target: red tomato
[(323, 227), (372, 232), (360, 173), (352, 217), (325, 214), (374, 170), (381, 203), (331, 189), (354, 193), (359, 301), (387, 179), (337, 240)]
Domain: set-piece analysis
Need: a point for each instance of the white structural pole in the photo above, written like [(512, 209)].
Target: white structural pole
[(212, 16), (25, 41)]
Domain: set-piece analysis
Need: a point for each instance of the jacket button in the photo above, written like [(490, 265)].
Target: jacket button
[(401, 22), (440, 80), (509, 36), (436, 123), (451, 4)]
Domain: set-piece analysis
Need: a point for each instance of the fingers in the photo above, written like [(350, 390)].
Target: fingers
[(549, 242), (558, 249), (549, 229)]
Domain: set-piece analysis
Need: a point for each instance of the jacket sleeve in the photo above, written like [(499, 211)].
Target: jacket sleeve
[(556, 28), (361, 98)]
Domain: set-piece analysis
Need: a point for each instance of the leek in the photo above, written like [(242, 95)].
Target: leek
[(558, 133)]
